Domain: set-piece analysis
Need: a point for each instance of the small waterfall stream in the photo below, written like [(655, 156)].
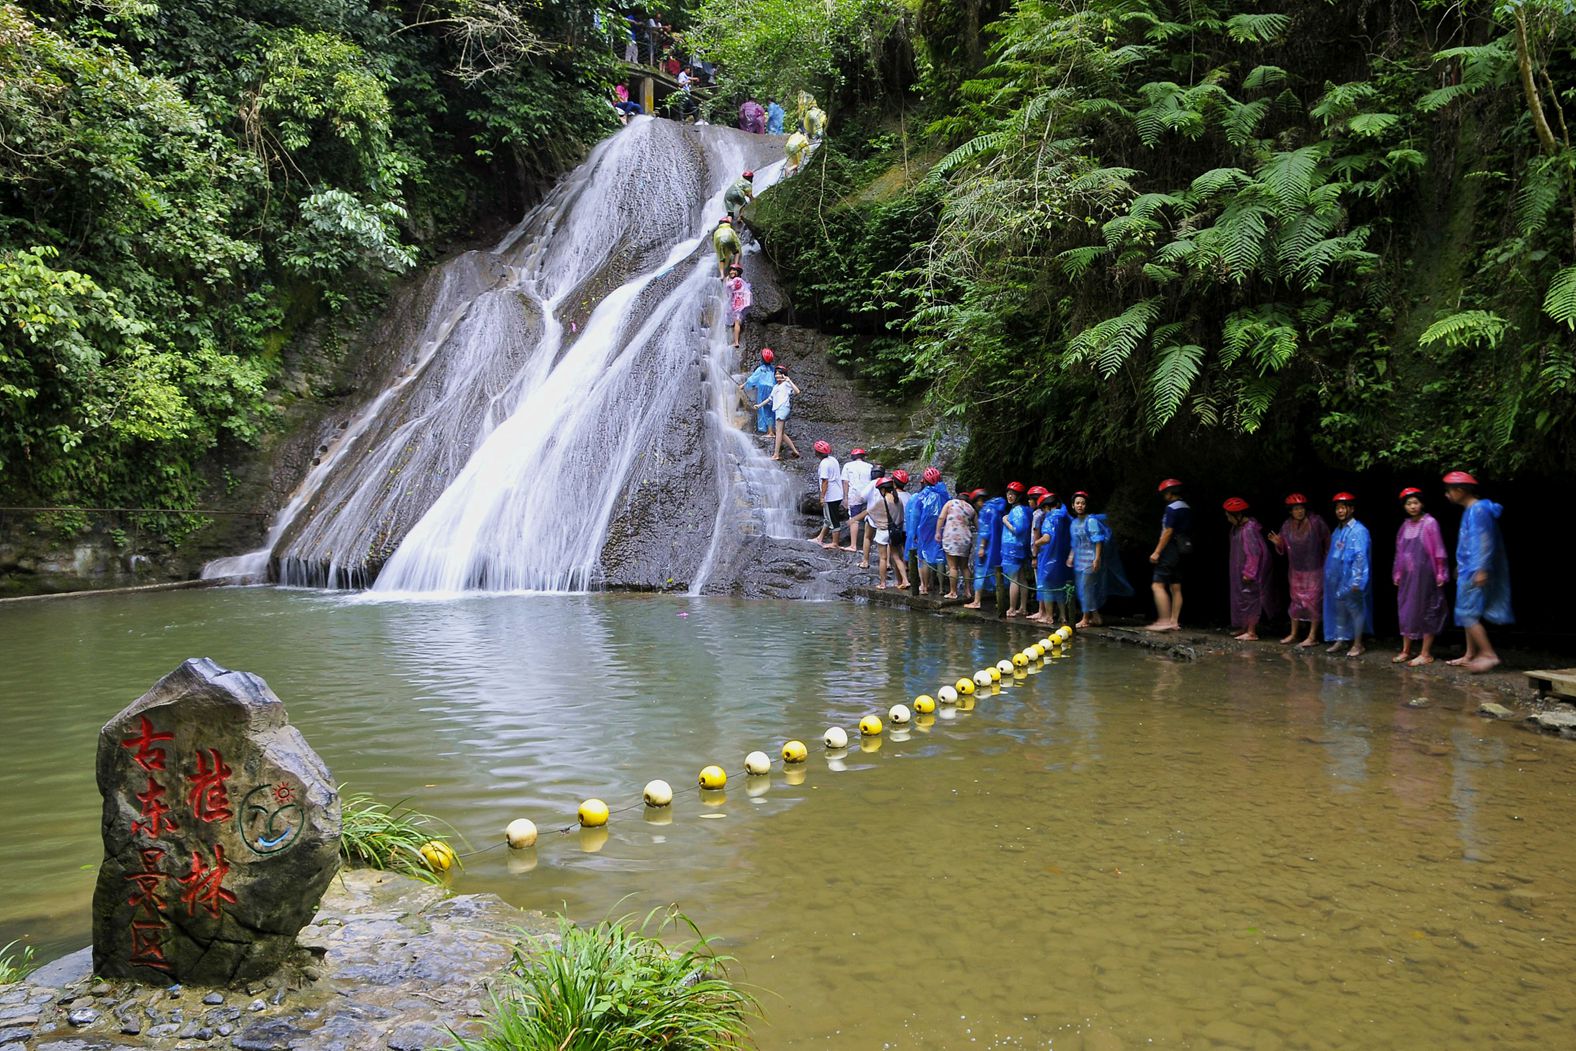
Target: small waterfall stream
[(543, 387)]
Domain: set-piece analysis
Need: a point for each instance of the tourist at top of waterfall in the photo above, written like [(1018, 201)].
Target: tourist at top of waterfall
[(752, 118), (834, 491), (774, 117), (795, 149)]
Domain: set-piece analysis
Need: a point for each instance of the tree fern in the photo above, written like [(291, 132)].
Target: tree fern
[(1372, 125), (1217, 180), (1467, 328), (1075, 262), (1111, 341), (1540, 192), (1560, 302), (1176, 367), (1257, 29), (1289, 175), (1339, 100), (1260, 78)]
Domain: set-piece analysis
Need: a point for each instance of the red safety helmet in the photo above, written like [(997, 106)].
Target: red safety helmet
[(901, 476), (1015, 487), (725, 219), (1047, 495), (1296, 498), (1343, 497), (1410, 490), (1037, 491), (1079, 492), (1169, 483), (1236, 505), (931, 476), (885, 479), (750, 176), (976, 494), (1460, 478), (767, 355), (823, 448), (856, 452)]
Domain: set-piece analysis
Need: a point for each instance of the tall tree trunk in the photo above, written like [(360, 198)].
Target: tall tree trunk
[(1529, 87)]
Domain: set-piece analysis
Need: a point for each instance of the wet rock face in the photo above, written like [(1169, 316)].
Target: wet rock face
[(221, 831)]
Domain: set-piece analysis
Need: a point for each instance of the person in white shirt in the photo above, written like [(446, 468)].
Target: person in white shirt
[(856, 482), (834, 493), (781, 400)]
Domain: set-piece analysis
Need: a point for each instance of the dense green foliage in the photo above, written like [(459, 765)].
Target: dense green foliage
[(1299, 224), (375, 835), (186, 187), (617, 987)]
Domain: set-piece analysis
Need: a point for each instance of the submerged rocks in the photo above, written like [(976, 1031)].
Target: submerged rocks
[(221, 831)]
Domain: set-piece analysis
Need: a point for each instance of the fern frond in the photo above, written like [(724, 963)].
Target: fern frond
[(1075, 262), (1260, 77), (1242, 120), (1145, 205), (1112, 341), (1372, 125), (1537, 197), (1560, 302), (1288, 175), (1468, 328), (1217, 180), (1340, 99), (1257, 29), (1176, 367), (975, 148)]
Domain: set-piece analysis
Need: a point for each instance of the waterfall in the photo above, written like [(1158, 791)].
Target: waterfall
[(545, 388)]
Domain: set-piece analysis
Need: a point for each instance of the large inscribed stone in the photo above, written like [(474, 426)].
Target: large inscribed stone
[(221, 831)]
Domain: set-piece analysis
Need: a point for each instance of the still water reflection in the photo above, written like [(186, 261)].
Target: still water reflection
[(1268, 851)]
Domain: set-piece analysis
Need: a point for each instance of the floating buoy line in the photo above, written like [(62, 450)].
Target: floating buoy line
[(523, 834)]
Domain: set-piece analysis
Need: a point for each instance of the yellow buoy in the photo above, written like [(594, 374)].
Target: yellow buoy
[(658, 793), (1020, 660), (1035, 652), (870, 726), (835, 737), (593, 813), (437, 855), (521, 833), (924, 704), (713, 777), (982, 678), (947, 695), (1065, 632), (757, 763), (994, 673), (899, 715), (965, 687), (1004, 666), (795, 752), (1045, 642)]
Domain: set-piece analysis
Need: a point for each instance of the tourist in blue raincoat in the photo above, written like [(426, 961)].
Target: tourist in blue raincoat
[(1348, 580), (922, 513), (987, 548), (1097, 568), (1052, 576), (1482, 571), (758, 385), (1015, 529), (774, 117)]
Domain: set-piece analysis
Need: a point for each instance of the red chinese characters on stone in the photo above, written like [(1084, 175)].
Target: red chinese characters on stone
[(208, 796), (147, 913), (154, 812), (205, 884), (145, 754)]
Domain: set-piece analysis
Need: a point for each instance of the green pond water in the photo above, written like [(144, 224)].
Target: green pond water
[(1122, 851)]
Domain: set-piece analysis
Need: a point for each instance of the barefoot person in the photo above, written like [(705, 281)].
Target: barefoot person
[(883, 516), (1250, 570), (955, 534), (1304, 539), (834, 494), (1053, 577), (1171, 551), (856, 480), (1015, 549), (757, 388), (727, 244), (921, 516), (781, 402), (1420, 573), (1097, 569), (1348, 582), (987, 548), (1482, 571)]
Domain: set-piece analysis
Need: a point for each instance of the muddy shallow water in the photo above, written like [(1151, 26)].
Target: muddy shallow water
[(1265, 851)]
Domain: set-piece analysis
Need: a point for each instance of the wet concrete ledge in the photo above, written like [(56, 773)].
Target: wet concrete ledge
[(388, 964), (171, 585)]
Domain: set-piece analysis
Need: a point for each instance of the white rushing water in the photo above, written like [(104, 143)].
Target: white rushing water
[(539, 376)]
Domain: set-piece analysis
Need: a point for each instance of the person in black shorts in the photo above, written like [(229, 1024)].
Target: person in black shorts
[(1169, 557)]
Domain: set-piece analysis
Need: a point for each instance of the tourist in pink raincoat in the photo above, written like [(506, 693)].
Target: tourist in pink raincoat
[(1304, 539), (1421, 571), (1250, 571)]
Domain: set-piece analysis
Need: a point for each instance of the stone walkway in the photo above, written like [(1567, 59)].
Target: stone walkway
[(388, 963)]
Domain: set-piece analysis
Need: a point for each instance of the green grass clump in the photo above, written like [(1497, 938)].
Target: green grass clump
[(616, 987), (15, 962), (375, 835)]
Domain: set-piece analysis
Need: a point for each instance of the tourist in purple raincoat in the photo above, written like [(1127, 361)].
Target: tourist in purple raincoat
[(1421, 571), (752, 118), (1304, 539), (1250, 571)]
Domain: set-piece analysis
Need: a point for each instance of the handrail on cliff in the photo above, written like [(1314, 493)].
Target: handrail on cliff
[(137, 510)]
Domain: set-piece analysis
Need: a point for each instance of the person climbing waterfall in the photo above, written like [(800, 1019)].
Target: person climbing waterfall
[(987, 549), (1053, 577), (740, 296), (815, 123), (834, 494), (1482, 571), (1169, 556), (1249, 570), (739, 194), (795, 149), (757, 387), (1420, 573), (1348, 580), (856, 482), (726, 241), (1304, 539), (774, 117), (781, 402), (1015, 528), (1096, 565)]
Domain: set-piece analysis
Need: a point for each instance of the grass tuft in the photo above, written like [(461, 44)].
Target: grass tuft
[(379, 836), (16, 962), (617, 987)]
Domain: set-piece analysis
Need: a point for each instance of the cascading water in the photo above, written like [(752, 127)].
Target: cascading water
[(562, 380)]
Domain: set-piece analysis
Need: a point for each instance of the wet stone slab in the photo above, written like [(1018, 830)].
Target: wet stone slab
[(387, 963)]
